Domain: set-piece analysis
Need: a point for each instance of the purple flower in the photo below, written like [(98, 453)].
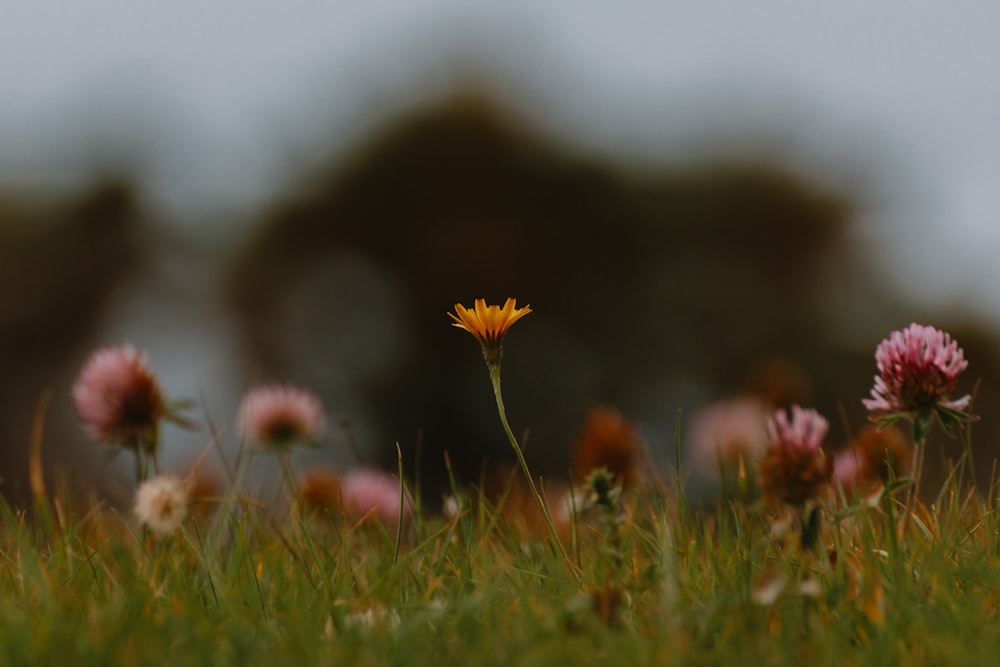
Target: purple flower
[(918, 367), (795, 467), (117, 398), (866, 462), (847, 467), (729, 433), (806, 429), (372, 493), (278, 416)]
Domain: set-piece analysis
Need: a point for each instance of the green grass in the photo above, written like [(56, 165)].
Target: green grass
[(481, 589)]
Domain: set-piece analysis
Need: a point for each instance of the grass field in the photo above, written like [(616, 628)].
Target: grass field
[(792, 565), (649, 583)]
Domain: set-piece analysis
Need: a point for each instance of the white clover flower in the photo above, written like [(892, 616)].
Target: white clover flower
[(161, 503)]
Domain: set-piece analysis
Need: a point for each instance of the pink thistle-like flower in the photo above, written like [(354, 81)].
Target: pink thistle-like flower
[(278, 416), (805, 430), (728, 433), (866, 462), (795, 468), (372, 493), (319, 492), (117, 398), (608, 440), (847, 468), (918, 367)]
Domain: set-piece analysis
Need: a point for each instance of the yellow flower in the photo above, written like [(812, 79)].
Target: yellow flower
[(488, 324)]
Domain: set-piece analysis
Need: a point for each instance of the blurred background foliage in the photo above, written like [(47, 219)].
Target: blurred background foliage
[(657, 290)]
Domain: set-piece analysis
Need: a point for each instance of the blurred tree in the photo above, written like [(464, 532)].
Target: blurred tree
[(651, 292), (59, 262)]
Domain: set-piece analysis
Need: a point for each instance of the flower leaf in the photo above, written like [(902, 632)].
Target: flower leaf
[(810, 529), (897, 483), (922, 424), (887, 419)]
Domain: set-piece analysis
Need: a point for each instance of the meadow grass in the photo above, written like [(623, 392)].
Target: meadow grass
[(659, 584), (819, 574)]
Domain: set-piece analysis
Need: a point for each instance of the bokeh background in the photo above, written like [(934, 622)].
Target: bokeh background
[(699, 200)]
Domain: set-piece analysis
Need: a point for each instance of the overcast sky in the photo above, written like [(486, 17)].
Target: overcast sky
[(219, 100)]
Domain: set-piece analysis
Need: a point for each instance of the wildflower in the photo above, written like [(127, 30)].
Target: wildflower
[(770, 586), (795, 468), (368, 492), (729, 434), (489, 324), (810, 588), (276, 417), (373, 617), (517, 506), (865, 464), (847, 468), (918, 368), (204, 490), (320, 491), (607, 440), (117, 398), (161, 503), (603, 489), (452, 505)]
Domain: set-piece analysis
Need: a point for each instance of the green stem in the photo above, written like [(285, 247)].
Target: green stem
[(402, 505), (140, 477), (154, 445), (916, 471), (288, 478), (494, 369), (228, 510)]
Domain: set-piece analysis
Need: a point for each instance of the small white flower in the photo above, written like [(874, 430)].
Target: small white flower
[(373, 617), (451, 506), (769, 588), (810, 588), (161, 503)]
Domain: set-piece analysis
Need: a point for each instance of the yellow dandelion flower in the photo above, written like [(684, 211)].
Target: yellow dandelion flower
[(489, 324)]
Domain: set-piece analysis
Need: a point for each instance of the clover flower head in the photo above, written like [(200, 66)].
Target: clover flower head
[(320, 491), (607, 440), (489, 324), (369, 493), (795, 468), (729, 433), (865, 464), (274, 417), (805, 430), (918, 367), (117, 398), (161, 503), (848, 468)]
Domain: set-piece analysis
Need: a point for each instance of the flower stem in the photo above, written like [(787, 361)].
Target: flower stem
[(140, 472), (916, 471), (288, 478), (494, 369)]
